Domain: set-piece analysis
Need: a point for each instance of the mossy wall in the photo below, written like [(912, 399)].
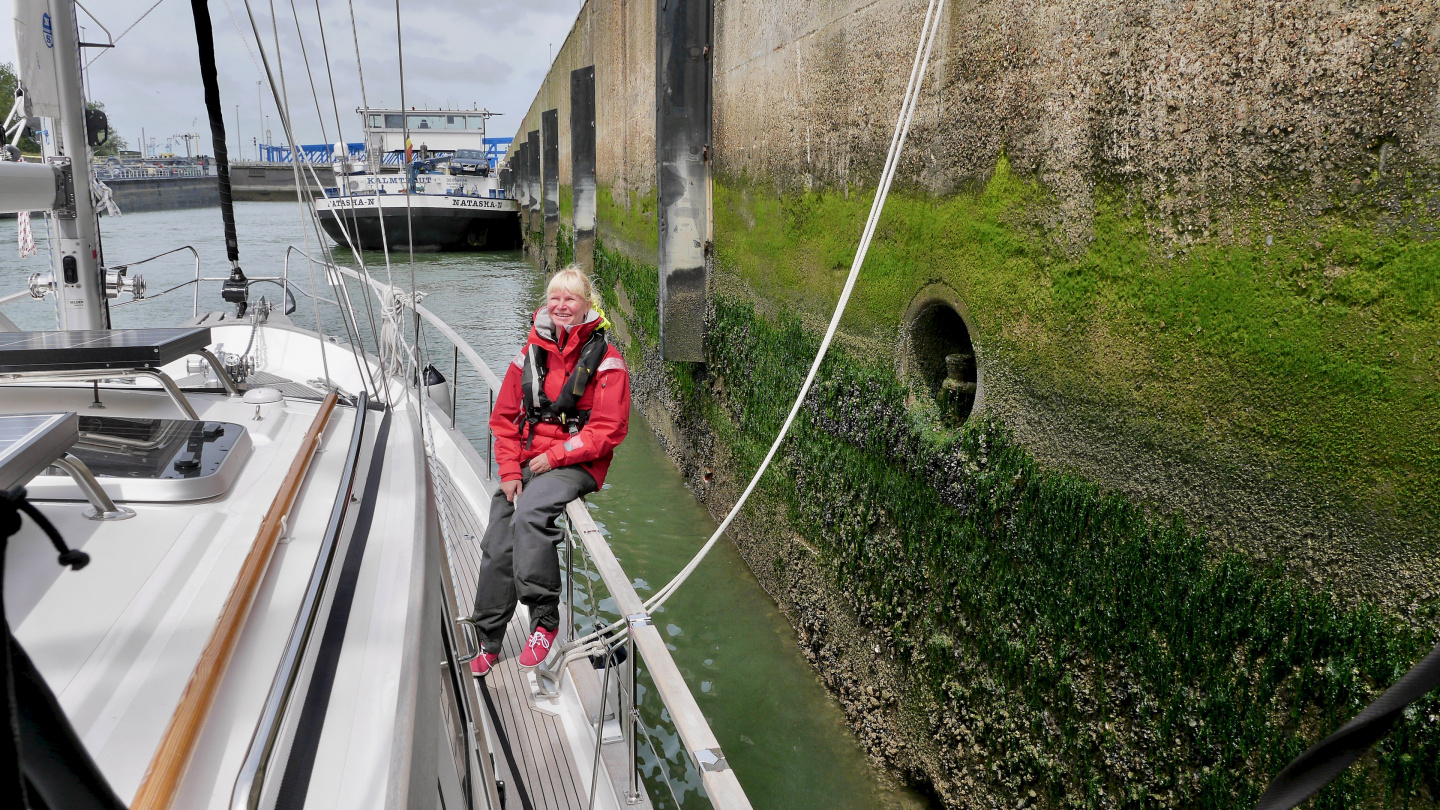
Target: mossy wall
[(1057, 645), (1192, 525), (1282, 367)]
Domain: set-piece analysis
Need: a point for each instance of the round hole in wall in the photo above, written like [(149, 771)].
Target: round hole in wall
[(942, 359)]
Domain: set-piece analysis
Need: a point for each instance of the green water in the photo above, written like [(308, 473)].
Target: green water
[(782, 733), (784, 736)]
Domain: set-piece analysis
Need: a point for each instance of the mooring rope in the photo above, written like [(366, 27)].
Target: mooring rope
[(882, 190)]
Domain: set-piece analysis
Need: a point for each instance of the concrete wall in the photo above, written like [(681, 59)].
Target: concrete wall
[(1193, 242), (1191, 104), (1195, 104), (618, 38), (164, 194), (251, 182), (1204, 125)]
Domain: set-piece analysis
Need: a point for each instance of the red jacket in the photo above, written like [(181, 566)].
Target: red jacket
[(607, 397)]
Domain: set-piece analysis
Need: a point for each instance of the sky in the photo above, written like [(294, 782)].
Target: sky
[(458, 53)]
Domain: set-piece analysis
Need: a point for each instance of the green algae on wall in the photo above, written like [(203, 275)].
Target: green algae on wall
[(1081, 653), (1313, 345), (631, 219)]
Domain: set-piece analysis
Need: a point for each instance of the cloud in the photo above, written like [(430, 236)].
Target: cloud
[(490, 53)]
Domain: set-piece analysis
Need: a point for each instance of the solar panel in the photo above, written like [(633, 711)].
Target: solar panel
[(30, 442), (98, 348)]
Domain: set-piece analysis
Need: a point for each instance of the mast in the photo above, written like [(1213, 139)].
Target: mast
[(77, 266)]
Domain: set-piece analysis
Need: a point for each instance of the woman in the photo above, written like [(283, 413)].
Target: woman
[(563, 409)]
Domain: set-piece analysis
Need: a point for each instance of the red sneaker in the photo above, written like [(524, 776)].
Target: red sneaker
[(537, 647), (480, 666)]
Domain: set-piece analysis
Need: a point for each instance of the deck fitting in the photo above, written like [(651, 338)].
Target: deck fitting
[(710, 759)]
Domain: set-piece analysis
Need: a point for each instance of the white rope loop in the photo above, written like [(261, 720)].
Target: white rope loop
[(887, 176)]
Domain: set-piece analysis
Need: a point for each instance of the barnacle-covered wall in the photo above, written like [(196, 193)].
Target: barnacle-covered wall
[(1175, 517)]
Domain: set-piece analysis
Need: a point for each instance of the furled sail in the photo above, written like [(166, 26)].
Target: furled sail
[(35, 57)]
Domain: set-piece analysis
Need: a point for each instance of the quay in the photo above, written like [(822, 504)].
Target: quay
[(1089, 505)]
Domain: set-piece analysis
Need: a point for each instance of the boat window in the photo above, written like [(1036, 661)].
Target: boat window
[(477, 121), (375, 121), (394, 121), (427, 121)]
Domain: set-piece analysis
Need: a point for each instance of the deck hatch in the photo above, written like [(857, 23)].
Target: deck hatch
[(154, 460), (29, 352)]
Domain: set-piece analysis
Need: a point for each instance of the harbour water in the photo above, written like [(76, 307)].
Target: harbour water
[(783, 734)]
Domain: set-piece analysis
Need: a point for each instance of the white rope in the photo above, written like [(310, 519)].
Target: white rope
[(882, 190), (887, 176), (104, 198), (26, 235)]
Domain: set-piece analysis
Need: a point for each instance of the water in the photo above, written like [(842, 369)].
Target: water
[(784, 736)]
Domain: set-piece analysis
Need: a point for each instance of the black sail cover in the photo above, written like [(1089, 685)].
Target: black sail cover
[(205, 37)]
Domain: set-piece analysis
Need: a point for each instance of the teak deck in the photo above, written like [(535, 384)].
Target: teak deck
[(531, 756)]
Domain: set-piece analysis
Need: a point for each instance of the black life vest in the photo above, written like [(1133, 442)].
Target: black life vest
[(562, 411)]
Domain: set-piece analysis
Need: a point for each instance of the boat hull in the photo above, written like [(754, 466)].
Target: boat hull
[(428, 222)]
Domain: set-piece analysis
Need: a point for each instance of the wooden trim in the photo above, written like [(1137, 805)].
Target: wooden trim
[(172, 756)]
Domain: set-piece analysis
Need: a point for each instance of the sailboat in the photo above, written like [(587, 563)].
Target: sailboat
[(266, 554)]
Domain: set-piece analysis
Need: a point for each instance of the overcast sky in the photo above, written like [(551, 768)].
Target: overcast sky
[(460, 53)]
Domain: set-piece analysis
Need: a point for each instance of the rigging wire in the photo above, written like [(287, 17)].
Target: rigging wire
[(141, 19), (887, 176), (409, 217), (340, 134), (243, 38), (365, 104), (282, 102), (310, 74), (308, 215), (329, 74), (281, 111)]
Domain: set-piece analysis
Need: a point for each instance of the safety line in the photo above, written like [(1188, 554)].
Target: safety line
[(897, 145), (887, 176)]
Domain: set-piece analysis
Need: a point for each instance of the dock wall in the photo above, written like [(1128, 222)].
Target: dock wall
[(266, 182), (1192, 521), (164, 194)]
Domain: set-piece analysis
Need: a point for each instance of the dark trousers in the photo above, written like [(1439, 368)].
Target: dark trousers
[(518, 560)]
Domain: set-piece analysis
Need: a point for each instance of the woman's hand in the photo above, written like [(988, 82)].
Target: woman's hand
[(540, 464), (511, 489)]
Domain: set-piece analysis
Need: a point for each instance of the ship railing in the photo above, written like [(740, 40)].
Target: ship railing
[(642, 643), (113, 273), (282, 280), (148, 173)]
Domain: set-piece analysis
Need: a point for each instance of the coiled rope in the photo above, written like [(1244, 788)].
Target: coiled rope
[(882, 190)]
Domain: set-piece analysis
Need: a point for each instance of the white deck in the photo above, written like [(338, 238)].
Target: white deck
[(118, 640)]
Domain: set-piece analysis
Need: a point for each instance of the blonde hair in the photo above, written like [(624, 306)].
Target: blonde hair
[(573, 280)]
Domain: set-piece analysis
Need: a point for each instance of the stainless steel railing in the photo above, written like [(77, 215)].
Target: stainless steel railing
[(644, 643)]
